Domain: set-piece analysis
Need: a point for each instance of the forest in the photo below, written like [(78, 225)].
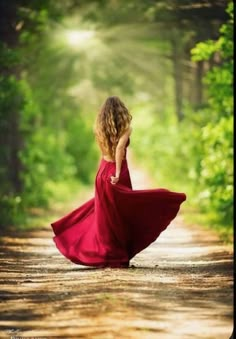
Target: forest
[(170, 61)]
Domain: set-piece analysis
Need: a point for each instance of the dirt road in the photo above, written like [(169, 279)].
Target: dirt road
[(181, 287)]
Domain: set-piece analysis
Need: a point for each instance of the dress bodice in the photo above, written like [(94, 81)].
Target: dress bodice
[(127, 144)]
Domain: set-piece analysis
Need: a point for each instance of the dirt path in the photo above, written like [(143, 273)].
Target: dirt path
[(180, 287)]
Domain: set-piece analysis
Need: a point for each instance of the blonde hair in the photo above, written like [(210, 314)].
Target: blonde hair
[(112, 121)]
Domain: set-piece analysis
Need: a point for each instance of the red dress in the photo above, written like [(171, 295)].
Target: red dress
[(115, 225)]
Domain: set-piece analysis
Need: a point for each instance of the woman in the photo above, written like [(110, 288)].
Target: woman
[(111, 228)]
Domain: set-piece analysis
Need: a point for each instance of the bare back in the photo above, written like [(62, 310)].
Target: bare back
[(122, 144)]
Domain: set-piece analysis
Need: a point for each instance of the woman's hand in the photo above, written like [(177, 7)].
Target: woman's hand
[(114, 180)]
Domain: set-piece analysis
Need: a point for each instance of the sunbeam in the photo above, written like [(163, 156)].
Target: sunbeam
[(77, 38)]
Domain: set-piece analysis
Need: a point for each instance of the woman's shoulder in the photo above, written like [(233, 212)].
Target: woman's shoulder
[(128, 131), (124, 138), (126, 134)]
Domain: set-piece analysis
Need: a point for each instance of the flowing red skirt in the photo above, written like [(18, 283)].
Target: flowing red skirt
[(115, 225)]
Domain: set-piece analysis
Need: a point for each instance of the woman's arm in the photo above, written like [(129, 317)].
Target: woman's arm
[(120, 150)]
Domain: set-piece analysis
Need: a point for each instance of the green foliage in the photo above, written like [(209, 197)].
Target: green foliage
[(224, 45), (49, 89), (12, 211), (204, 50), (11, 207), (219, 79), (216, 180), (196, 156), (43, 155), (45, 150), (81, 146), (8, 56), (168, 150), (216, 167), (10, 101)]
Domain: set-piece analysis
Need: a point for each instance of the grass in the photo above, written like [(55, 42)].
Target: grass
[(193, 216)]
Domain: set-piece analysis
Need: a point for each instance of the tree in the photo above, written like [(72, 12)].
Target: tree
[(216, 170)]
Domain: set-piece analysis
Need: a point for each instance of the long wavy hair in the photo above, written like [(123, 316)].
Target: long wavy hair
[(112, 121)]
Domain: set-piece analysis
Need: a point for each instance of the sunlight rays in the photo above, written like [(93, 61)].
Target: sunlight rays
[(77, 38), (97, 61)]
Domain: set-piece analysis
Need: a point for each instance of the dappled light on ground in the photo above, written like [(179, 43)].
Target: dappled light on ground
[(179, 287)]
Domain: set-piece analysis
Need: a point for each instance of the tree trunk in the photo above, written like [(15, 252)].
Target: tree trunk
[(12, 141), (198, 84), (178, 77)]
